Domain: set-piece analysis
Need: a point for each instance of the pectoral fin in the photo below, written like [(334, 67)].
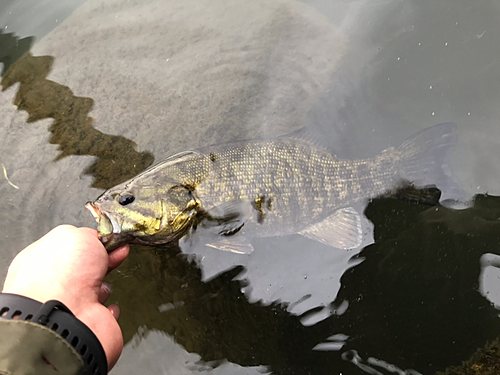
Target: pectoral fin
[(238, 245), (228, 218), (341, 230)]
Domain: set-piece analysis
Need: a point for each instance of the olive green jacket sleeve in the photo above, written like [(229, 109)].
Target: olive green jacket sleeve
[(29, 348)]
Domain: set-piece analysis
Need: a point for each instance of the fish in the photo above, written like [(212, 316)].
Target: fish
[(287, 185)]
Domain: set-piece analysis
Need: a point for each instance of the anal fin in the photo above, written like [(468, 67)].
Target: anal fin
[(341, 230)]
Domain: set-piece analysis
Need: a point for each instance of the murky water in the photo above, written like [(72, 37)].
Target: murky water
[(108, 88)]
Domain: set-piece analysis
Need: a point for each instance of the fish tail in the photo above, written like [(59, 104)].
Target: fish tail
[(424, 160)]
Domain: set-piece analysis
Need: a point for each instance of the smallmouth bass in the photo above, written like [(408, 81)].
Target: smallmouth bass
[(264, 188)]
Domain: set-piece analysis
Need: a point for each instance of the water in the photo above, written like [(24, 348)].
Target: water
[(110, 88)]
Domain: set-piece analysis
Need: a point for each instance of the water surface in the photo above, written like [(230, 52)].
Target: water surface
[(112, 87)]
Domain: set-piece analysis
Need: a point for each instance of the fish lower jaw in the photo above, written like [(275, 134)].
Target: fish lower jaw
[(115, 240)]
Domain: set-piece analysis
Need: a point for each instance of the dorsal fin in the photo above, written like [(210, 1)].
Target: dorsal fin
[(187, 167), (307, 135)]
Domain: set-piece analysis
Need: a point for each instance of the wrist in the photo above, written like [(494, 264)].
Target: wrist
[(42, 293)]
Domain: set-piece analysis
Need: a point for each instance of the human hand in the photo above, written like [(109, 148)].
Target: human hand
[(68, 264)]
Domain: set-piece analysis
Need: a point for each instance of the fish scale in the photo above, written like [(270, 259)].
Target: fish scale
[(298, 182)]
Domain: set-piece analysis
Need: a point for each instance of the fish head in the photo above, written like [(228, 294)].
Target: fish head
[(144, 214)]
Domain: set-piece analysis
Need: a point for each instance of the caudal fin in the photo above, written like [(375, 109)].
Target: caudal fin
[(425, 156)]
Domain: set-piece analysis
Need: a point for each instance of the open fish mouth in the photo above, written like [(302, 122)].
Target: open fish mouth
[(108, 229), (105, 225)]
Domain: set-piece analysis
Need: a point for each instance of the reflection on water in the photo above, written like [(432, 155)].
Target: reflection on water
[(72, 129), (12, 48), (422, 273), (412, 302), (163, 291)]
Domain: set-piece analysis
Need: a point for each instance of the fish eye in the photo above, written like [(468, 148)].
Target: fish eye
[(126, 199)]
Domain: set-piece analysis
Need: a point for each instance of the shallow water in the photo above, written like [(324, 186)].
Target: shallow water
[(110, 88)]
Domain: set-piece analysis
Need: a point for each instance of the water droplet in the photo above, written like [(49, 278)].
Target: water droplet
[(430, 87)]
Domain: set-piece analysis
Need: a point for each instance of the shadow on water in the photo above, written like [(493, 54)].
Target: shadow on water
[(413, 302), (72, 129)]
